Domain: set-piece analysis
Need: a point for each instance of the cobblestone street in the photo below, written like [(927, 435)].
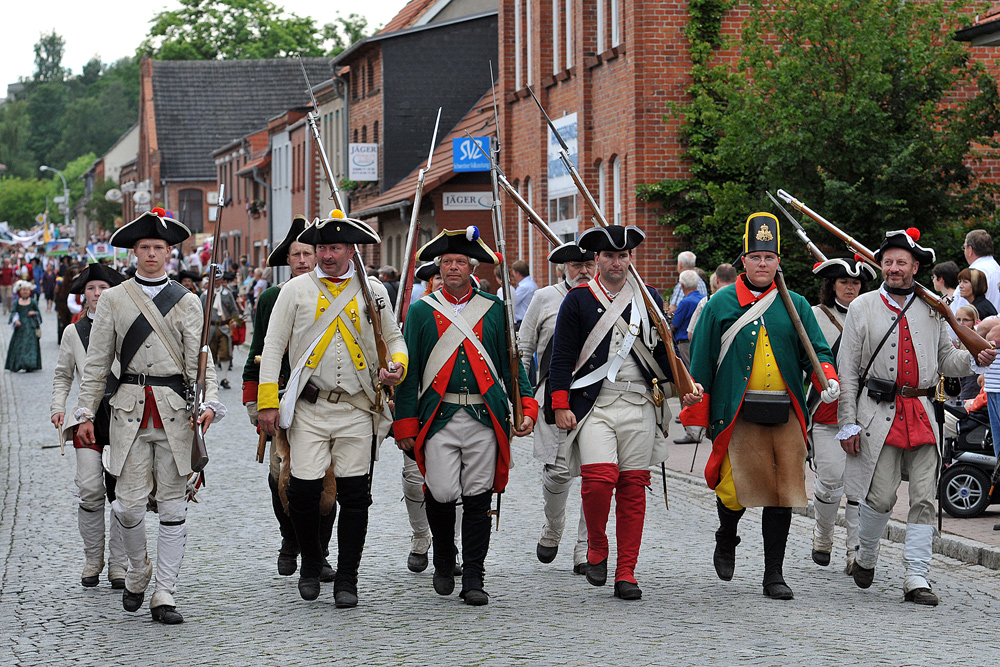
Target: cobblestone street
[(238, 611)]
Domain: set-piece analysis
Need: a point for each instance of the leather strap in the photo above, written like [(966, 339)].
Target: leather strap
[(878, 348), (612, 312), (460, 331), (756, 310), (833, 319), (155, 319)]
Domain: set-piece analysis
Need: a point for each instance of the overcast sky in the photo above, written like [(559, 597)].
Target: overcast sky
[(112, 29)]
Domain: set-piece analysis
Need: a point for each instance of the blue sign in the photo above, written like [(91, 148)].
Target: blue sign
[(466, 157)]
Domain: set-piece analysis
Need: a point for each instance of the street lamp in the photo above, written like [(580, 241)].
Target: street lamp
[(65, 189)]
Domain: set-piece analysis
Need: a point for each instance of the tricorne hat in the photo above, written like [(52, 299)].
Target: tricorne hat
[(461, 242), (338, 228), (613, 237), (570, 252), (279, 256), (151, 225), (762, 234), (95, 271), (838, 267), (907, 240), (427, 271)]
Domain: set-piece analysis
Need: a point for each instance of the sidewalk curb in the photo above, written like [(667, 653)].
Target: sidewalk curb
[(954, 546)]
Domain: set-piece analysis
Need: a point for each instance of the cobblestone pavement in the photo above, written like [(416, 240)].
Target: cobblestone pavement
[(238, 611)]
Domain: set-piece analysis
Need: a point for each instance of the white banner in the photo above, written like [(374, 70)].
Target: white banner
[(467, 201), (560, 181), (364, 162)]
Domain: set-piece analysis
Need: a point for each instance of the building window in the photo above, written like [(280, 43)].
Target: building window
[(189, 201), (517, 45), (355, 135), (375, 132), (364, 134), (569, 32), (529, 197), (555, 37), (602, 9), (616, 179), (371, 77), (562, 216), (616, 32)]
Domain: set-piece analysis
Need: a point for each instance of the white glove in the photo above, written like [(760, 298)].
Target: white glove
[(252, 412), (831, 393)]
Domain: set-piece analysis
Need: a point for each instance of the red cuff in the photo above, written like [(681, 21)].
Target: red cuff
[(831, 374), (406, 428), (249, 392), (697, 414), (529, 407), (560, 400)]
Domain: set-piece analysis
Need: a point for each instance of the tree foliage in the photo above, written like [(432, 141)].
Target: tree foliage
[(236, 29), (854, 107), (49, 50)]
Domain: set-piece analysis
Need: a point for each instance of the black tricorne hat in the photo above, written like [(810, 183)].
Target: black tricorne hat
[(570, 252), (838, 267), (762, 234), (338, 229), (461, 242), (151, 225), (907, 240), (95, 271), (181, 275), (613, 237), (279, 256), (427, 271)]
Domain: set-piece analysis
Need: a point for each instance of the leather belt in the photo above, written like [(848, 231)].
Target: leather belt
[(914, 392), (637, 387), (463, 398), (335, 396), (175, 382)]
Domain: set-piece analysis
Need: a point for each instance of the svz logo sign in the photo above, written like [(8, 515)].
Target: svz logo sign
[(467, 157)]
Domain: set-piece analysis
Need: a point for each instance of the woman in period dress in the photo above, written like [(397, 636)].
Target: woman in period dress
[(24, 352)]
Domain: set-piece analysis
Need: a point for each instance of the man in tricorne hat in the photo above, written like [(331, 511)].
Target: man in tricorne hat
[(224, 311), (843, 281), (892, 351), (539, 323), (189, 280), (753, 403), (452, 408), (301, 259), (607, 379), (159, 324), (332, 409), (92, 482)]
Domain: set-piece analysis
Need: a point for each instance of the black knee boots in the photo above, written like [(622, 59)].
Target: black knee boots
[(774, 527), (441, 519), (303, 510), (354, 498), (289, 552), (726, 540), (475, 545)]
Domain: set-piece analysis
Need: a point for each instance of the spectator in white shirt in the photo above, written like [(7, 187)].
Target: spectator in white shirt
[(685, 261), (524, 289), (978, 249)]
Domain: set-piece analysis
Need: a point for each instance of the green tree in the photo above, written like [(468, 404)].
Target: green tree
[(92, 124), (100, 209), (344, 31), (230, 29), (21, 199), (46, 104), (49, 50), (15, 128), (854, 107)]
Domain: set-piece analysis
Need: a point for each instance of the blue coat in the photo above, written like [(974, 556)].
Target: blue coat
[(578, 315)]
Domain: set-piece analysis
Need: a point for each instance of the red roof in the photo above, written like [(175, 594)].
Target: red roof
[(408, 15), (478, 122)]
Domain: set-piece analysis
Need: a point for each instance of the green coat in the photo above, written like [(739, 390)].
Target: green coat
[(725, 387), (251, 371), (422, 417)]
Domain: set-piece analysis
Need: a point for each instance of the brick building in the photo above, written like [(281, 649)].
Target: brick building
[(605, 72), (432, 54), (189, 109)]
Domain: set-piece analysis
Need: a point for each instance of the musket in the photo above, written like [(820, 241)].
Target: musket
[(514, 361), (799, 231), (373, 306), (969, 337), (199, 454), (682, 378), (409, 255)]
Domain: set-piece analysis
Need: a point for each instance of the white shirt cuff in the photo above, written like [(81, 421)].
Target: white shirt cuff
[(82, 414), (218, 408), (848, 431)]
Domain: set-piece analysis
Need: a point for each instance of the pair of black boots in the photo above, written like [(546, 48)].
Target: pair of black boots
[(288, 554), (475, 545), (354, 498), (775, 522)]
